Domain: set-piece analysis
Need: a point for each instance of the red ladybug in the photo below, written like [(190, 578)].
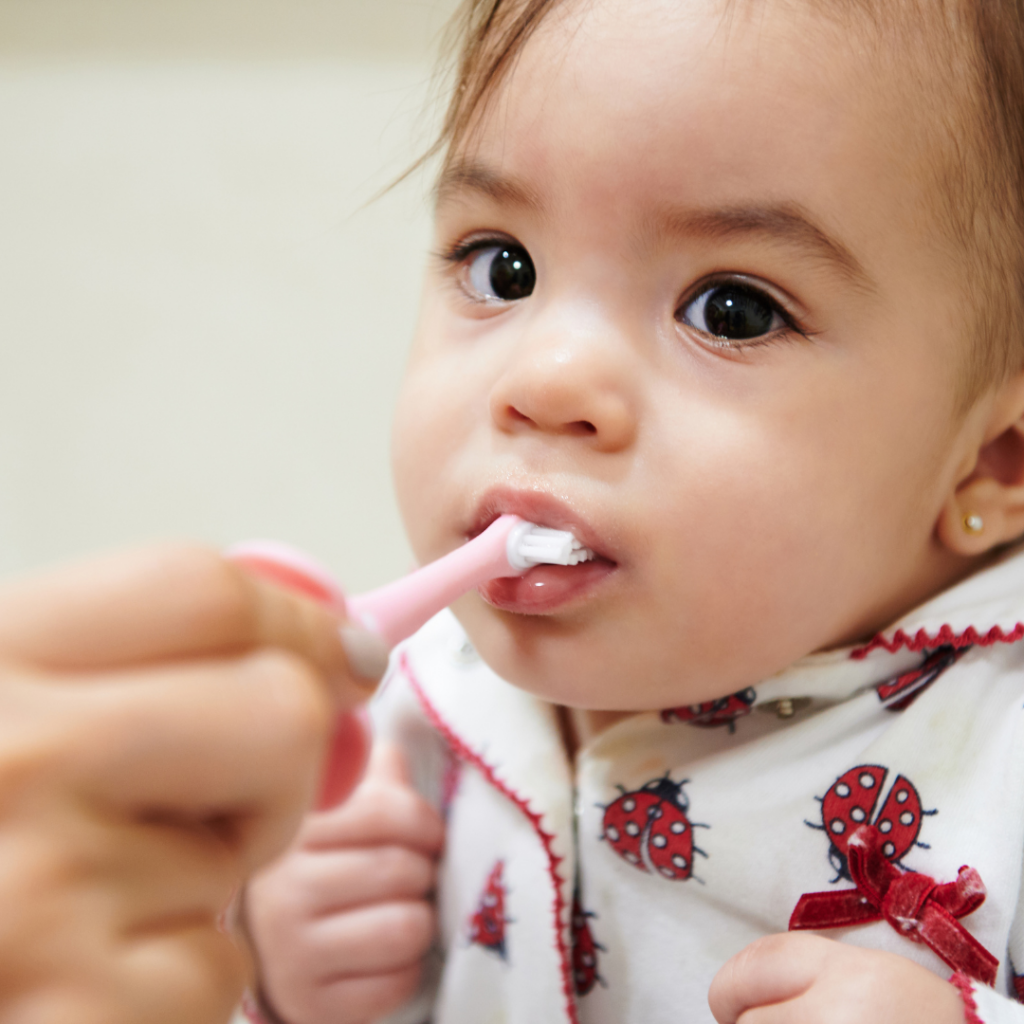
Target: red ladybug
[(649, 827), (711, 713), (916, 681), (851, 802), (584, 950), (1015, 984), (487, 925)]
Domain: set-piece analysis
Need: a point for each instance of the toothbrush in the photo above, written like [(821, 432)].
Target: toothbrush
[(510, 546)]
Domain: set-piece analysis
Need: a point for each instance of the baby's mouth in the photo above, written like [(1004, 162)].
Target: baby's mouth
[(543, 589), (543, 510)]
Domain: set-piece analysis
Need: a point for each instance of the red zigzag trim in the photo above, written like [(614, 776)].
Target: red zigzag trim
[(945, 637), (462, 751), (963, 984)]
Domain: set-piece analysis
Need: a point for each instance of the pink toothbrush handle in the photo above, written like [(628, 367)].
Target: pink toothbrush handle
[(397, 610)]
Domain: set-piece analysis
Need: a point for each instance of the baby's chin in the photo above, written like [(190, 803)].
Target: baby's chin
[(556, 663)]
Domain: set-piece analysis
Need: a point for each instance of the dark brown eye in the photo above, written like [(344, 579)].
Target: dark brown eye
[(734, 312), (503, 272)]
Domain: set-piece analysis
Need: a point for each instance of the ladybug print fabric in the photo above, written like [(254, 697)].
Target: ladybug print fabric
[(487, 925), (913, 683), (1015, 984), (584, 950), (851, 802), (650, 828), (714, 713)]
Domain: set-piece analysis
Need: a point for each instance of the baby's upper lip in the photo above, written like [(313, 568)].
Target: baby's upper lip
[(538, 507)]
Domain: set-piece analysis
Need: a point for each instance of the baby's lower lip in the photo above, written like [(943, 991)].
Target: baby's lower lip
[(546, 588)]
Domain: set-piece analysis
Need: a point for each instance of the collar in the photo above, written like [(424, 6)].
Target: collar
[(513, 739), (985, 609)]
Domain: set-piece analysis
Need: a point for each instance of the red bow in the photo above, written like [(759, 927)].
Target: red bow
[(914, 904)]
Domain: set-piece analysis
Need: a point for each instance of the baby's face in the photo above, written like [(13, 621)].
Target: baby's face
[(693, 305)]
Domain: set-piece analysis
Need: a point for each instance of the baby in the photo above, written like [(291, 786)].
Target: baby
[(735, 291)]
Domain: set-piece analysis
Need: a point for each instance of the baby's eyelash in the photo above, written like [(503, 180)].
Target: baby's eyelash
[(790, 326), (465, 248)]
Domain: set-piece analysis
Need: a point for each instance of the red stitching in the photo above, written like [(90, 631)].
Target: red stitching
[(461, 750), (945, 637), (963, 984)]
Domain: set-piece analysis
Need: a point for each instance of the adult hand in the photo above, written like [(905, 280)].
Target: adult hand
[(163, 716)]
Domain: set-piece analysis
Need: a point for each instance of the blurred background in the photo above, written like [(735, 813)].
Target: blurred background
[(202, 322)]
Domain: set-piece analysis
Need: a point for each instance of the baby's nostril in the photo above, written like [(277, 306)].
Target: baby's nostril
[(585, 427)]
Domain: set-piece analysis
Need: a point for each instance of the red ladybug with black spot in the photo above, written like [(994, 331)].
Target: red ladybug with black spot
[(1015, 983), (650, 828), (714, 713), (913, 683), (487, 925), (584, 950), (851, 802)]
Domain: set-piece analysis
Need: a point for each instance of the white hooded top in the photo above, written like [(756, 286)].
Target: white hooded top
[(684, 835)]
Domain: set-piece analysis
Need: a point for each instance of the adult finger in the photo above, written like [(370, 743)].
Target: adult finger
[(771, 970), (145, 875), (234, 745), (158, 604)]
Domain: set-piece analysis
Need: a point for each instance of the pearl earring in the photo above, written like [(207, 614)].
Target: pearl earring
[(973, 523)]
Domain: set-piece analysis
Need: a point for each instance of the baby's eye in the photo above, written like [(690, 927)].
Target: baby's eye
[(733, 311), (503, 272)]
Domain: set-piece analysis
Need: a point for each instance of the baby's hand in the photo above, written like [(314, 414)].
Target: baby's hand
[(341, 923), (796, 977)]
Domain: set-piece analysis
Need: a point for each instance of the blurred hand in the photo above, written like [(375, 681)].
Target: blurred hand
[(797, 978), (341, 923), (163, 716)]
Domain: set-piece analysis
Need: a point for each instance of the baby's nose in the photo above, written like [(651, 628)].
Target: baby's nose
[(573, 387)]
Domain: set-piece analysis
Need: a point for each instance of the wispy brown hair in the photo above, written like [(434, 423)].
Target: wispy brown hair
[(976, 46)]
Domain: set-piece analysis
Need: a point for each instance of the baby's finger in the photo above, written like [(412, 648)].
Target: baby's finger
[(327, 882), (161, 604), (388, 763), (364, 998), (771, 970), (377, 814), (376, 939)]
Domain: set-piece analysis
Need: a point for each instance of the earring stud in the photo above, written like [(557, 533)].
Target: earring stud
[(973, 523)]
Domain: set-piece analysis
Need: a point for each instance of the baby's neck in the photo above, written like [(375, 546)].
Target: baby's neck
[(579, 726)]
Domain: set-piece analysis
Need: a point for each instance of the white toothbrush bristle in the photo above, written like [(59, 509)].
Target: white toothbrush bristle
[(540, 545)]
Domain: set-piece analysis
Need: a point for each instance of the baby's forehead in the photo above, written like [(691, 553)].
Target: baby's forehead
[(801, 69), (910, 67)]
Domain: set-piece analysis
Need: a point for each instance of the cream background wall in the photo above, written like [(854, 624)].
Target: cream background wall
[(202, 326)]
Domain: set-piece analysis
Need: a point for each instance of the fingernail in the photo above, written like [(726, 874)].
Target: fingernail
[(366, 652)]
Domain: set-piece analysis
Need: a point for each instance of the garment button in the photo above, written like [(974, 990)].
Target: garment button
[(465, 654), (785, 707)]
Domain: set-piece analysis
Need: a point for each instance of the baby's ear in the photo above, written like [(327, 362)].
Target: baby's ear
[(986, 508)]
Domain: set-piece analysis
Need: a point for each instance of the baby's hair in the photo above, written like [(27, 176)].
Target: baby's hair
[(978, 48)]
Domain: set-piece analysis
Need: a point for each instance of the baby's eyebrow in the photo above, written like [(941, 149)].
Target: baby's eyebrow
[(463, 175), (789, 222)]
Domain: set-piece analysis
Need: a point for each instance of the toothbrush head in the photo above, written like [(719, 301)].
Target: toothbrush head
[(529, 545)]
